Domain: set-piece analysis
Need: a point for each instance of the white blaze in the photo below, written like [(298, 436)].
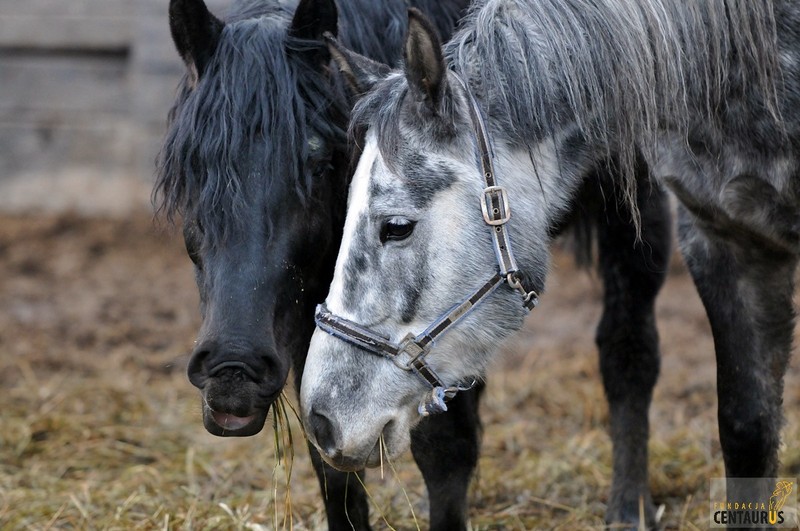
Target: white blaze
[(357, 203)]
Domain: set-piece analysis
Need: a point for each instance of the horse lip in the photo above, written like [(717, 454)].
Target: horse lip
[(231, 422), (242, 426), (271, 398), (350, 464), (344, 464)]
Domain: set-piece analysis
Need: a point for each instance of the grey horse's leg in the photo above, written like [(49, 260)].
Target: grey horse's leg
[(633, 273), (747, 288), (446, 448)]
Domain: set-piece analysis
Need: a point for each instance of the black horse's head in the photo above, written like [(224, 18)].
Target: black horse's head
[(254, 162)]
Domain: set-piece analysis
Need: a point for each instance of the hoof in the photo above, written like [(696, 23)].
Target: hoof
[(633, 515)]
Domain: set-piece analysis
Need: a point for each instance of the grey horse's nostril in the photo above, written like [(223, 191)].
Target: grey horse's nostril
[(324, 432)]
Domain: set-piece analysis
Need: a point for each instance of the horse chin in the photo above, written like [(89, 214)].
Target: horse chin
[(229, 425), (388, 450)]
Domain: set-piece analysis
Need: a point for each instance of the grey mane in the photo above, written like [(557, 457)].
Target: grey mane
[(620, 70)]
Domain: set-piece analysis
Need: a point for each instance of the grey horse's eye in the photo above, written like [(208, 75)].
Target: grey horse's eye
[(396, 228)]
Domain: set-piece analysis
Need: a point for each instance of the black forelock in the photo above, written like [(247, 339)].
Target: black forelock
[(258, 94), (257, 82)]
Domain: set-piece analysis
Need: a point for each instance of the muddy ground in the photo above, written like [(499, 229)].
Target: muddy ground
[(99, 428)]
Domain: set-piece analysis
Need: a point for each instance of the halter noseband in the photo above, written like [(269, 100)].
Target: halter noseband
[(409, 354)]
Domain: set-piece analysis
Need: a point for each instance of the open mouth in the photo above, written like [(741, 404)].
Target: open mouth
[(231, 422), (229, 425)]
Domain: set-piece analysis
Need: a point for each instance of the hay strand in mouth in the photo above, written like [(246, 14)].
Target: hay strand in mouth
[(346, 490), (380, 452), (284, 455), (288, 403)]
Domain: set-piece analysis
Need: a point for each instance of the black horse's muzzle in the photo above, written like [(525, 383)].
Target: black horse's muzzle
[(236, 394)]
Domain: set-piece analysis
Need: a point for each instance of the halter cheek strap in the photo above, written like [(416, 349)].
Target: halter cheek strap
[(495, 207), (410, 353)]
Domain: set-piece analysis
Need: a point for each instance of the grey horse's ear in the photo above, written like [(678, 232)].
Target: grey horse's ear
[(195, 32), (361, 73), (425, 66)]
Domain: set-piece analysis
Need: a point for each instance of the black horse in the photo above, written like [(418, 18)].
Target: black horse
[(256, 163)]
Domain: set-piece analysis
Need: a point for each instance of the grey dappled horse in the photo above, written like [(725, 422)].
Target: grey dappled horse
[(701, 97)]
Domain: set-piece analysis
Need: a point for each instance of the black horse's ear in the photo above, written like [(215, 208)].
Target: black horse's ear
[(313, 18), (195, 32), (360, 72), (425, 66)]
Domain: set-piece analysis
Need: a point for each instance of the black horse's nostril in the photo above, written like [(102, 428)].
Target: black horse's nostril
[(196, 369), (234, 360), (323, 431)]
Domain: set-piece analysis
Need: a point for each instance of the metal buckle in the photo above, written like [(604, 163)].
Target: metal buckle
[(490, 214), (411, 349), (530, 299)]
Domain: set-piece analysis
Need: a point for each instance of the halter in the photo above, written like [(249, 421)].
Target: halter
[(409, 354)]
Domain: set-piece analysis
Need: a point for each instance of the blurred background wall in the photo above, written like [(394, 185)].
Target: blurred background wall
[(85, 87)]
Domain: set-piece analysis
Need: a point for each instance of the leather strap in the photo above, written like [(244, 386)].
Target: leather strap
[(494, 203)]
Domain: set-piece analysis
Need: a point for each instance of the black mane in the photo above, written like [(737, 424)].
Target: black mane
[(259, 91), (247, 97)]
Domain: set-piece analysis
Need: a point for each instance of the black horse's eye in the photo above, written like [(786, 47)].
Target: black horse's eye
[(396, 228), (319, 156), (315, 145), (192, 237), (194, 254)]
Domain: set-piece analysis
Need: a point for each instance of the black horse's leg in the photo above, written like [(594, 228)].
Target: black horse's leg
[(343, 494), (747, 291), (446, 449), (346, 504), (633, 273)]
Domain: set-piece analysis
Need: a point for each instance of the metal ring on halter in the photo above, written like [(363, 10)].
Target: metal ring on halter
[(435, 401), (529, 298), (410, 348), (494, 215), (514, 282)]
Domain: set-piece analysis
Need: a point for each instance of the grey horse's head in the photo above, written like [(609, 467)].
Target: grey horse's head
[(415, 244)]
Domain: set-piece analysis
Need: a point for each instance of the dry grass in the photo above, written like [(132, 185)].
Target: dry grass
[(99, 428)]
